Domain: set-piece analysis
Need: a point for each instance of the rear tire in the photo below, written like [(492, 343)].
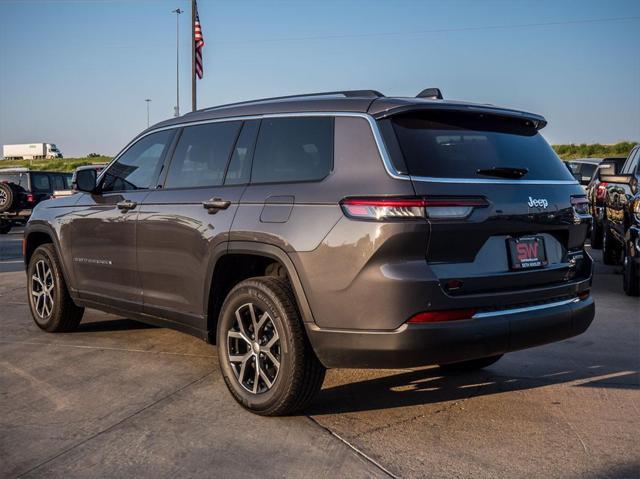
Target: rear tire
[(264, 354), (6, 197), (630, 280), (596, 234), (52, 308), (471, 365), (610, 252)]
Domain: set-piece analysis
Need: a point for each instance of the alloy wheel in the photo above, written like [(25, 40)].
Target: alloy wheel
[(42, 288), (253, 349), (3, 197)]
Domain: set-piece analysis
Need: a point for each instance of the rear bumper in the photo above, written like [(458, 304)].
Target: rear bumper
[(485, 335)]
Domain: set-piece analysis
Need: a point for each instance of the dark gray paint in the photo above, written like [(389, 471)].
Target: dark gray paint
[(347, 275)]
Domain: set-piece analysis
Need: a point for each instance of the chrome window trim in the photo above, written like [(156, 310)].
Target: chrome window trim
[(504, 312), (377, 135)]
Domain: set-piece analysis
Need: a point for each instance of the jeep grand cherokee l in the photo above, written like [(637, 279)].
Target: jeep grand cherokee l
[(344, 229)]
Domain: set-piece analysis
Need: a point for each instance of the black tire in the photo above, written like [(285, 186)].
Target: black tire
[(630, 280), (596, 235), (60, 313), (5, 228), (471, 365), (6, 197), (299, 375), (610, 251)]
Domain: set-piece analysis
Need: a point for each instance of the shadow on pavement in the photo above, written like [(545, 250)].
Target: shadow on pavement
[(111, 325), (432, 385)]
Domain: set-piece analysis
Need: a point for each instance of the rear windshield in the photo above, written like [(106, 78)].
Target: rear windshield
[(455, 145)]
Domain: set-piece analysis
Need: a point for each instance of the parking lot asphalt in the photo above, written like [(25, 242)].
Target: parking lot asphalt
[(119, 398)]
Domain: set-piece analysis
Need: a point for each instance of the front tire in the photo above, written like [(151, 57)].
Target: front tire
[(471, 365), (52, 308), (265, 356)]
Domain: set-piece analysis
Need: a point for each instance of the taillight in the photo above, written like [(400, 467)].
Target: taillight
[(444, 315), (410, 208), (580, 205), (601, 191), (30, 199)]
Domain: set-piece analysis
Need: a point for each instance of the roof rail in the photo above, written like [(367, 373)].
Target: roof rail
[(345, 93)]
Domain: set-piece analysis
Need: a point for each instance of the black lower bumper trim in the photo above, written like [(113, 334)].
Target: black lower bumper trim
[(448, 342)]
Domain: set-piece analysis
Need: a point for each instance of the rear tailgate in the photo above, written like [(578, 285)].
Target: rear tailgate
[(527, 194)]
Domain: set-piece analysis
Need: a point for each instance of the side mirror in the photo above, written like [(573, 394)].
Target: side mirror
[(86, 180)]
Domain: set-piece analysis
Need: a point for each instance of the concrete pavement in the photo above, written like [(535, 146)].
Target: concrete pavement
[(118, 398)]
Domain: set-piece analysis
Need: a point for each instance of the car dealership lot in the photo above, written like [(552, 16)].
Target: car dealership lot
[(120, 398)]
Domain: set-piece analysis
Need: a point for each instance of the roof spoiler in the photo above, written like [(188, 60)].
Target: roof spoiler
[(430, 93)]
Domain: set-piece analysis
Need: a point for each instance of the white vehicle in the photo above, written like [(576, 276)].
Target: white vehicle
[(31, 151)]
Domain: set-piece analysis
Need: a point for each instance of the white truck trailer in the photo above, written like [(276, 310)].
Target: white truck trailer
[(31, 151)]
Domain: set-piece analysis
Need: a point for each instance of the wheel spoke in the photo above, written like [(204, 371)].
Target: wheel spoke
[(239, 335), (239, 358), (263, 319), (274, 339), (254, 322), (265, 378), (240, 323), (243, 368), (256, 376), (37, 280), (272, 358)]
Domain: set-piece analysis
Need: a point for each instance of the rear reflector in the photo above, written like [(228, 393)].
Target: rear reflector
[(410, 208), (583, 294), (446, 315)]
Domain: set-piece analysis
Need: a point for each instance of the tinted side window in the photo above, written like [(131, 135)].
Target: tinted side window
[(201, 155), (293, 149), (40, 182), (138, 167), (58, 182), (240, 165)]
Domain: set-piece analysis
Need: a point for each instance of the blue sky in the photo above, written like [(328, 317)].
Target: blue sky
[(76, 72)]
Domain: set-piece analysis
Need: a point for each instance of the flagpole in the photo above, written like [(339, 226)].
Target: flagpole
[(193, 55)]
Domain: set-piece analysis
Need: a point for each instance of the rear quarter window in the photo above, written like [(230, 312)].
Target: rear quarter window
[(454, 145), (40, 182), (293, 149)]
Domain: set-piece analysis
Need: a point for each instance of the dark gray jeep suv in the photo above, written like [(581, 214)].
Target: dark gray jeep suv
[(343, 229)]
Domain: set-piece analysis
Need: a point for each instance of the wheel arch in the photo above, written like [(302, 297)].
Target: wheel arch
[(263, 255), (38, 234)]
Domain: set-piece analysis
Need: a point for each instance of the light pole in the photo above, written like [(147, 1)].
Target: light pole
[(148, 100), (177, 11)]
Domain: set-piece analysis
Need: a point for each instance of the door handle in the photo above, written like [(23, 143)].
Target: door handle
[(126, 205), (215, 204)]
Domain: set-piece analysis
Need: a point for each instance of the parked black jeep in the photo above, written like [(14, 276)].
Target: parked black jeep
[(22, 189), (621, 225)]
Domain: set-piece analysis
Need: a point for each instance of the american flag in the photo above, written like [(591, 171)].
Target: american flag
[(199, 42)]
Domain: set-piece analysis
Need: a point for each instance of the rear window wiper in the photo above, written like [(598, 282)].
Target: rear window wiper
[(503, 172)]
